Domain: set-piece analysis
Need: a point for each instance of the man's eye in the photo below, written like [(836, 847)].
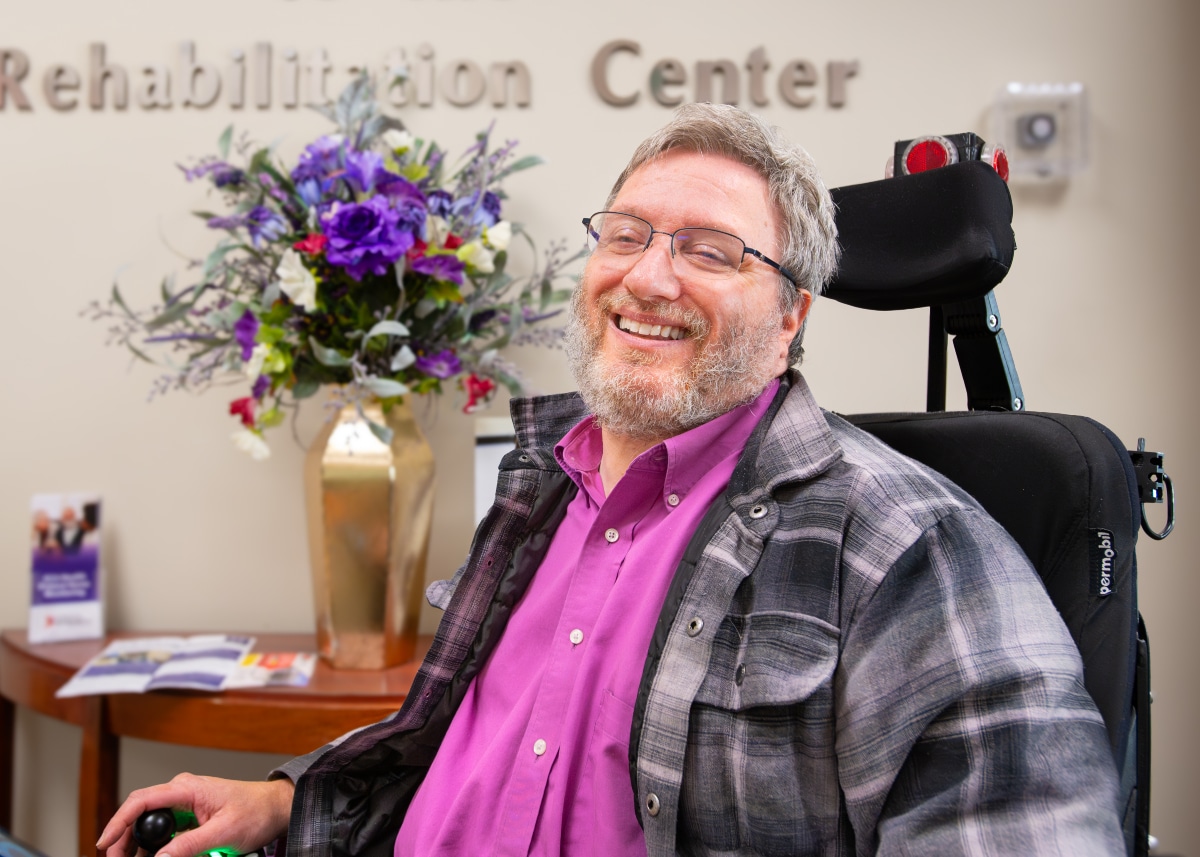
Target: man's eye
[(624, 241), (706, 254)]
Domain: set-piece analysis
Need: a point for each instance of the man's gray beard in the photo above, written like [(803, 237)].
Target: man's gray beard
[(629, 401)]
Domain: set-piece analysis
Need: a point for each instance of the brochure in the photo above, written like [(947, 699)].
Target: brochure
[(65, 546), (139, 664), (273, 669)]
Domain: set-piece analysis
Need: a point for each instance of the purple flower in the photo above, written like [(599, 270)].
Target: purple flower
[(233, 222), (441, 266), (309, 190), (478, 212), (319, 159), (264, 225), (363, 170), (440, 202), (261, 384), (225, 175), (244, 332), (398, 188), (480, 319), (367, 237), (219, 172), (442, 365)]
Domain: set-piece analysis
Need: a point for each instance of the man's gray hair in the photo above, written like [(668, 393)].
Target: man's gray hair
[(809, 239)]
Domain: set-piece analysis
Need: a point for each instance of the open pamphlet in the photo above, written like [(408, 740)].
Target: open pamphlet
[(202, 662)]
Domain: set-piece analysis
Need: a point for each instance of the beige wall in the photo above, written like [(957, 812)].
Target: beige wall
[(1099, 309)]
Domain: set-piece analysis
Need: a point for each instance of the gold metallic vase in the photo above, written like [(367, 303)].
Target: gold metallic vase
[(370, 507)]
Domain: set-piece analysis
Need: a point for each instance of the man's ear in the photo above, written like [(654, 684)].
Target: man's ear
[(793, 320), (804, 301)]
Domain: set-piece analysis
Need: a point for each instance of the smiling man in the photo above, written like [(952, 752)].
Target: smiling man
[(703, 615)]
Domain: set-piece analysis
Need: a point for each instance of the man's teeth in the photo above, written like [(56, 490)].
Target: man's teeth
[(662, 331)]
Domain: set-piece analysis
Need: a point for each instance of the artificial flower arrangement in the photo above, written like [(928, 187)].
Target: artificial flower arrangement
[(372, 263)]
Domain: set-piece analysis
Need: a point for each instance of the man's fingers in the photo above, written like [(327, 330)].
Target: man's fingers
[(176, 793)]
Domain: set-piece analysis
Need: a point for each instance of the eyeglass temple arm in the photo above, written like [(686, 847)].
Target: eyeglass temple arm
[(773, 264)]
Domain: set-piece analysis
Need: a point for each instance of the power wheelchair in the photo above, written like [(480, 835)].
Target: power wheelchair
[(1064, 486)]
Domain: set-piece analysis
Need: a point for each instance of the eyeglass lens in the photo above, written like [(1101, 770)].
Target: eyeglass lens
[(707, 250)]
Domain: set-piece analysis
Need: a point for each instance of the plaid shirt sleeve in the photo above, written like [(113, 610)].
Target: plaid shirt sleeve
[(964, 726), (863, 662)]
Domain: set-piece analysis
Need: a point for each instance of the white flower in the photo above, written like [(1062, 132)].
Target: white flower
[(397, 140), (436, 228), (477, 256), (254, 366), (297, 281), (498, 235), (251, 443)]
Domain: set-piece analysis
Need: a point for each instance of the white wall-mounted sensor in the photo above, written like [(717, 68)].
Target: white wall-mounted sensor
[(1043, 127)]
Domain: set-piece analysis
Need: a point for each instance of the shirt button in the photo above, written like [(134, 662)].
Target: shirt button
[(694, 626), (652, 805), (539, 747), (577, 636), (673, 500), (611, 534)]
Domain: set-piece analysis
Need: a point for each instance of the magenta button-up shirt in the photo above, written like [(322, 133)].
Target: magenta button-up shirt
[(536, 760)]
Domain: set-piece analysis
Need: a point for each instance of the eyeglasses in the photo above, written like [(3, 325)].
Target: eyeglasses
[(707, 252)]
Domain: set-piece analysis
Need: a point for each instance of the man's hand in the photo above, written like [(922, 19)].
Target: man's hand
[(238, 815)]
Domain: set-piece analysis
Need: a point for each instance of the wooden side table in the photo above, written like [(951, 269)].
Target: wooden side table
[(288, 720)]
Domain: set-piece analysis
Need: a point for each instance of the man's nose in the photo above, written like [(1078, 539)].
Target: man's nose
[(653, 272)]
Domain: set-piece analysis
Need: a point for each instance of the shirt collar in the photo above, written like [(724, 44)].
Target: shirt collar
[(682, 460)]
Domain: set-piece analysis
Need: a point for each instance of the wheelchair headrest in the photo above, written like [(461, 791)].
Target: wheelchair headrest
[(927, 239)]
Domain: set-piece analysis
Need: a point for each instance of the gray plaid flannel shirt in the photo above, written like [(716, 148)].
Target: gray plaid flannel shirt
[(854, 659)]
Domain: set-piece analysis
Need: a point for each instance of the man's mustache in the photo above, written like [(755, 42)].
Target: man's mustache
[(691, 320)]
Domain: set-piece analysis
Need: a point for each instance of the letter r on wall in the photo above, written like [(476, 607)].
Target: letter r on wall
[(14, 65)]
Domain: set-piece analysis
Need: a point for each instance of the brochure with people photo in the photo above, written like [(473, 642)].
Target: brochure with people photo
[(140, 664), (65, 547)]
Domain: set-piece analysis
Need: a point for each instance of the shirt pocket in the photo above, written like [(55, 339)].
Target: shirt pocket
[(760, 771), (769, 660), (605, 821)]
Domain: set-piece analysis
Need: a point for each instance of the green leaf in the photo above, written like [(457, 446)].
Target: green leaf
[(224, 141), (328, 356), (138, 353), (414, 172), (521, 164), (385, 388), (387, 327), (120, 301), (269, 335), (169, 315), (382, 432), (302, 389), (271, 418), (214, 258), (403, 359), (443, 290)]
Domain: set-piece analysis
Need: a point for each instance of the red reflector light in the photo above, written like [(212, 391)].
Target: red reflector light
[(929, 153), (998, 158)]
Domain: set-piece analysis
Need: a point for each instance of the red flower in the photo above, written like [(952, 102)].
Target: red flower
[(417, 250), (313, 244), (243, 408), (479, 390), (419, 247)]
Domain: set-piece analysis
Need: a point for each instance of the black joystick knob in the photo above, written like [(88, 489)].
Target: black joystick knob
[(154, 829)]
